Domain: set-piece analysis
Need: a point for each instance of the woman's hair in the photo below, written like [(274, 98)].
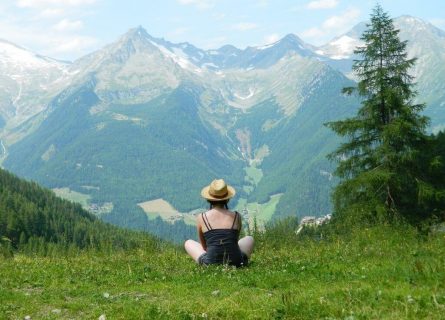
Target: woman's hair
[(222, 203)]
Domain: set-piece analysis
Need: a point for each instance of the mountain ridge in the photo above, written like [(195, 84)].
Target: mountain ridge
[(142, 116)]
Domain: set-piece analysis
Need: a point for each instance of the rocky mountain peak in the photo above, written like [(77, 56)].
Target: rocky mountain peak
[(291, 38), (417, 28)]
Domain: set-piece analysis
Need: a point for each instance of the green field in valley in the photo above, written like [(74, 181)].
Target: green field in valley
[(74, 196), (262, 212)]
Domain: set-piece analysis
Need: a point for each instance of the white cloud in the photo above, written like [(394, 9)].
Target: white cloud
[(75, 44), (48, 41), (342, 21), (49, 27), (313, 33), (332, 26), (244, 26), (52, 12), (56, 3), (322, 4), (271, 38), (68, 25), (200, 4)]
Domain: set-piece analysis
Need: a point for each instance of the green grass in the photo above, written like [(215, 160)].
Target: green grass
[(253, 175), (377, 273), (263, 212), (74, 196)]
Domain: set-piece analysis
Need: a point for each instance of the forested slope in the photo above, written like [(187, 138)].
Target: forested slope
[(33, 218)]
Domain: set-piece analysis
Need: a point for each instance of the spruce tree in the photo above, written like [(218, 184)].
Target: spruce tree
[(377, 161)]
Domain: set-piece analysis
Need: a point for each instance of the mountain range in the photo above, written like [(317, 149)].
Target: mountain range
[(137, 128)]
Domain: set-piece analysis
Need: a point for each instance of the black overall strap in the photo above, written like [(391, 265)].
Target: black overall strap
[(234, 219), (206, 221)]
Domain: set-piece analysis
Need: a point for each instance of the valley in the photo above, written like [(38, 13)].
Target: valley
[(84, 200), (336, 151), (253, 213), (143, 117)]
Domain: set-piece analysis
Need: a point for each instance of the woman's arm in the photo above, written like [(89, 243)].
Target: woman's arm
[(201, 234)]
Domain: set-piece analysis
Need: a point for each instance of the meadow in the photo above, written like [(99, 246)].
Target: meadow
[(381, 272)]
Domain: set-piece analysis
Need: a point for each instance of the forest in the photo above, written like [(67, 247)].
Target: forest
[(34, 220)]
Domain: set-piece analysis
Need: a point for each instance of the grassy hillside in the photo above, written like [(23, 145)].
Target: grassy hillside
[(375, 273)]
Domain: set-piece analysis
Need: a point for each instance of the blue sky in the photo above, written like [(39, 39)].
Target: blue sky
[(68, 29)]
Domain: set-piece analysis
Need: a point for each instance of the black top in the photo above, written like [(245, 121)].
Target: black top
[(222, 245)]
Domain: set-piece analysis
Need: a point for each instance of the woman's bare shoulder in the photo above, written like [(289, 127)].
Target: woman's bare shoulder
[(199, 217)]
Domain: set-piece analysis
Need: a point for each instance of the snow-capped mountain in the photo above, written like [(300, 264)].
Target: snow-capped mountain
[(421, 36), (135, 68), (183, 107), (27, 82), (173, 106), (342, 47), (425, 42), (261, 57), (193, 59), (139, 67)]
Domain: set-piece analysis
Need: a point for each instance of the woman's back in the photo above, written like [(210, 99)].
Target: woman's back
[(219, 218), (221, 235), (218, 230)]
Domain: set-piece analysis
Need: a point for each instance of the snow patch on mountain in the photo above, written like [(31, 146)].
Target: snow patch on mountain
[(344, 47), (266, 46), (340, 48), (21, 58), (250, 95), (27, 82), (179, 57)]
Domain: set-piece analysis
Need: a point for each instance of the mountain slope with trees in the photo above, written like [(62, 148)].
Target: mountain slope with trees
[(144, 119), (33, 219), (129, 152)]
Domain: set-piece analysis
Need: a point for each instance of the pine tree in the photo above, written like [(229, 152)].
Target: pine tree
[(377, 161), (431, 184)]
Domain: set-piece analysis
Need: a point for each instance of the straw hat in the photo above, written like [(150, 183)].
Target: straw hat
[(218, 190)]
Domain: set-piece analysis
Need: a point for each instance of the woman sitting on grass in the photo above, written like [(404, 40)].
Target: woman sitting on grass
[(218, 230)]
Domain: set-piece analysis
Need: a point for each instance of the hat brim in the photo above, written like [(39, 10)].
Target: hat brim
[(206, 195)]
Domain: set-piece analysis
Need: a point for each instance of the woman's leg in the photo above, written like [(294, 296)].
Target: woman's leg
[(194, 249), (246, 245)]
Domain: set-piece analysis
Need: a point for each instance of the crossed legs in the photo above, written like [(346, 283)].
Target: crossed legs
[(246, 245), (195, 249)]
